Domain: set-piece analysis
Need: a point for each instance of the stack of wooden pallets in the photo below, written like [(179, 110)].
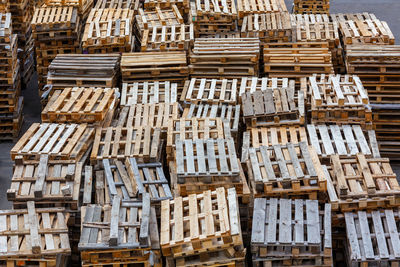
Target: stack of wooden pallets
[(11, 103), (108, 31), (339, 100), (297, 59), (213, 235), (213, 17), (56, 30), (311, 6), (225, 57), (34, 237), (378, 67), (289, 232)]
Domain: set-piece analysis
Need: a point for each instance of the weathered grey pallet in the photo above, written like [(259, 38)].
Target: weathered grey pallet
[(148, 93)]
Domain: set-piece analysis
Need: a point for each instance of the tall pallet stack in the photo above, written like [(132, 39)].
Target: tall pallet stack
[(56, 30), (11, 103)]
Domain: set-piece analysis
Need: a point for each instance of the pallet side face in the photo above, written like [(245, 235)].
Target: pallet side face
[(372, 237)]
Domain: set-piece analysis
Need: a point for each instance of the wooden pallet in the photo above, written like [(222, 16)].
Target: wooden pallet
[(273, 106), (345, 141), (270, 136), (148, 93), (118, 4), (118, 143), (6, 26), (212, 91), (154, 65), (285, 229), (361, 183), (63, 143), (297, 59), (167, 38), (372, 237), (34, 233), (206, 159), (194, 129), (215, 259), (84, 70), (83, 5), (55, 19), (129, 180), (246, 7), (217, 211), (80, 104), (339, 99), (119, 233), (252, 84), (153, 115), (363, 29), (109, 28), (46, 184), (285, 170), (216, 12), (269, 27), (311, 7), (159, 17), (228, 113), (210, 57)]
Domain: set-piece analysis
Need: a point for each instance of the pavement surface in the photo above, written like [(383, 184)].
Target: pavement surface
[(386, 10)]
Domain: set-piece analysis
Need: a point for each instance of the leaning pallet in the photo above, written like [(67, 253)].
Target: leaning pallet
[(228, 113), (180, 240), (56, 30), (270, 136), (167, 38), (34, 237), (64, 143), (155, 115), (120, 234), (311, 6), (269, 27), (291, 233), (285, 170), (363, 29), (129, 180), (213, 17), (80, 104), (345, 141), (145, 92), (48, 184), (297, 59), (143, 143), (273, 106), (339, 99), (246, 7), (84, 70), (108, 31), (224, 57), (361, 183), (212, 91), (373, 237), (155, 66)]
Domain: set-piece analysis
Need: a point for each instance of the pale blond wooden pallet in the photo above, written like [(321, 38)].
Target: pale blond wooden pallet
[(311, 6), (219, 212), (148, 93), (144, 143), (83, 5), (270, 136), (291, 229), (203, 11), (80, 104), (55, 19), (46, 184), (118, 4), (361, 183), (269, 27), (63, 143), (158, 17), (286, 170), (34, 233), (246, 7), (109, 27), (154, 65), (252, 84), (167, 38), (183, 5)]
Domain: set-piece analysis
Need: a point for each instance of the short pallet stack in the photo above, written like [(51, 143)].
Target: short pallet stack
[(56, 30), (213, 236), (11, 103)]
